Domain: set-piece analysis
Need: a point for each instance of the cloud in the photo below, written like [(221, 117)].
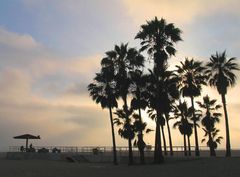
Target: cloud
[(178, 11), (48, 70), (25, 106), (68, 66), (17, 41), (58, 121)]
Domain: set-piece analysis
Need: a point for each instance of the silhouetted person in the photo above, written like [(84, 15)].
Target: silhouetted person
[(21, 148), (31, 148)]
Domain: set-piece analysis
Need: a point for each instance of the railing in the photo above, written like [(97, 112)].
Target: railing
[(102, 149), (122, 151)]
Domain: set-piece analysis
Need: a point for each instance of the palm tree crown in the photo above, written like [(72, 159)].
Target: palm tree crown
[(211, 116), (158, 35), (220, 72), (123, 60), (102, 90), (191, 77)]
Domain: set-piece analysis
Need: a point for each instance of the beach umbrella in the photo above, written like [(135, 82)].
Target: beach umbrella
[(27, 137)]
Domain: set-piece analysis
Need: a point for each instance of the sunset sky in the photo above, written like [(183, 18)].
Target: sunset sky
[(51, 49)]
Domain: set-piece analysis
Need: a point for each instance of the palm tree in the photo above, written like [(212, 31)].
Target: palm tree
[(138, 102), (191, 74), (158, 38), (126, 129), (210, 118), (220, 73), (172, 93), (183, 112), (102, 92), (167, 92), (124, 60), (139, 129)]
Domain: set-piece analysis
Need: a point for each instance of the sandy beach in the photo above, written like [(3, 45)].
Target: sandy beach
[(195, 167)]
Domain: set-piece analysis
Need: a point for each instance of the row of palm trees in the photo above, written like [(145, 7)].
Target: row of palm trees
[(124, 76)]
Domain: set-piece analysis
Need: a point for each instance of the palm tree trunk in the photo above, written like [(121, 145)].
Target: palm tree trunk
[(156, 152), (185, 145), (169, 134), (142, 144), (189, 145), (158, 156), (164, 140), (211, 147), (113, 138), (228, 145), (197, 153), (130, 152)]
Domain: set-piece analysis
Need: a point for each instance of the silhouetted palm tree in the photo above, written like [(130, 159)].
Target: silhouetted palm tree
[(172, 93), (183, 112), (167, 92), (102, 91), (220, 72), (158, 38), (127, 128), (124, 60), (140, 129), (210, 118), (191, 74), (131, 127), (138, 102)]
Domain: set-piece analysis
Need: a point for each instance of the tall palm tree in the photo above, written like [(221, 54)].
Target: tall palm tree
[(172, 93), (102, 92), (221, 75), (209, 120), (124, 60), (191, 74), (183, 112), (167, 92), (158, 38)]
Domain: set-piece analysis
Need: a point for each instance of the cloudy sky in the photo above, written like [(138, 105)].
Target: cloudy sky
[(51, 49)]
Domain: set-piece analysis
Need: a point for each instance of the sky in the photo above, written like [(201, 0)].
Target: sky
[(51, 49)]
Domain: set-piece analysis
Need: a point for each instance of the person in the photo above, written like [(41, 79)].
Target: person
[(31, 148), (21, 148)]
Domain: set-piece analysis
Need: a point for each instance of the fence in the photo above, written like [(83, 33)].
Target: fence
[(101, 149)]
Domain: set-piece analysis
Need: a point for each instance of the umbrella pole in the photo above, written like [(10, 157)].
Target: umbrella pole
[(26, 144)]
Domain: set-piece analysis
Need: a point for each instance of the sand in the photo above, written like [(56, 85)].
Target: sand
[(201, 167)]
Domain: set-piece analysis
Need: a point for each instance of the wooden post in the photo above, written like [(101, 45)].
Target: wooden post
[(26, 144)]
